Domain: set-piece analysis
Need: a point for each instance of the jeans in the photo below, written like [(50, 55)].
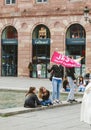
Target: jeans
[(46, 102), (72, 86), (56, 84)]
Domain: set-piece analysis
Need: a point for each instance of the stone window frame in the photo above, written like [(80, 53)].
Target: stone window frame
[(41, 1), (75, 0), (10, 2)]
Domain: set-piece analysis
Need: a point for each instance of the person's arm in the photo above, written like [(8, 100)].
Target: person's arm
[(37, 100), (50, 70)]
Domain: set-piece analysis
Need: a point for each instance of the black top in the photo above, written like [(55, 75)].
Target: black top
[(87, 76), (31, 101), (46, 95), (58, 71), (70, 72)]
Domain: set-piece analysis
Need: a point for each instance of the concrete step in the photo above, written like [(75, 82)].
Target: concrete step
[(20, 110)]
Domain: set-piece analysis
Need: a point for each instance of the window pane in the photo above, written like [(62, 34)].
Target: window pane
[(39, 0), (7, 1), (13, 1)]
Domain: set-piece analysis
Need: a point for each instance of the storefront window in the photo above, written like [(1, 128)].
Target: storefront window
[(9, 50), (76, 31), (41, 0), (75, 45), (10, 1), (41, 49), (9, 33)]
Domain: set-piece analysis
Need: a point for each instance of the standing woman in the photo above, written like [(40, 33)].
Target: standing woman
[(30, 67), (70, 72), (58, 72), (86, 105)]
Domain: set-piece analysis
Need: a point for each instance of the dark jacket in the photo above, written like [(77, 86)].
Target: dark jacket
[(46, 95), (70, 72), (31, 101), (58, 71), (87, 75)]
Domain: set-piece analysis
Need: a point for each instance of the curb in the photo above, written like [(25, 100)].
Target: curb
[(21, 110)]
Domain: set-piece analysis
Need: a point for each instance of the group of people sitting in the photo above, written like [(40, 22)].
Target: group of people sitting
[(80, 84), (43, 98)]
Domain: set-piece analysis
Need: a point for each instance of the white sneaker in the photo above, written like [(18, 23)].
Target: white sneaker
[(58, 101), (54, 102)]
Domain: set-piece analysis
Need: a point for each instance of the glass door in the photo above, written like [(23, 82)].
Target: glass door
[(9, 60), (41, 53)]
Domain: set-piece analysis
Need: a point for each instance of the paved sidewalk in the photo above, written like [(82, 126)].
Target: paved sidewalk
[(61, 118), (23, 83)]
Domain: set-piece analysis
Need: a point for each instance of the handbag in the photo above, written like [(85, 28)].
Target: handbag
[(50, 78), (51, 75)]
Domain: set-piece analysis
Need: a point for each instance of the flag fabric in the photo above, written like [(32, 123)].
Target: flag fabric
[(64, 60)]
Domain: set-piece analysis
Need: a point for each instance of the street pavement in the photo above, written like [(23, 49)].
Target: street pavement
[(23, 83), (61, 118)]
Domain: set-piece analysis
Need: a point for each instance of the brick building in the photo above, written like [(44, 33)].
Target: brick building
[(31, 30)]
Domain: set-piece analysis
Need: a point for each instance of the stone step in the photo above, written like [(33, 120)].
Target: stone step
[(20, 110)]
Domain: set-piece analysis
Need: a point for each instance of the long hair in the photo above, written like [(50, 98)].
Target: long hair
[(40, 94), (30, 91), (80, 79)]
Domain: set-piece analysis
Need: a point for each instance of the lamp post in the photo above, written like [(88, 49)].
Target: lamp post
[(86, 14)]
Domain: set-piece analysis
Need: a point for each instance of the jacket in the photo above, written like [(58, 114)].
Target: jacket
[(32, 101), (70, 72), (58, 71)]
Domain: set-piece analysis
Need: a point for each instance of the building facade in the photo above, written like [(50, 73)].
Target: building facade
[(31, 30)]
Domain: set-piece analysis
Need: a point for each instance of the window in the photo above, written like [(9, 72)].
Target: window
[(75, 0), (10, 1), (41, 1)]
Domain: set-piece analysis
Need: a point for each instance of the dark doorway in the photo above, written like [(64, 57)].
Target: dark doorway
[(9, 50), (9, 60), (41, 50), (76, 44)]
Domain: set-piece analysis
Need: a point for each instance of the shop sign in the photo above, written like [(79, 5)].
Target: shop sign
[(10, 41), (75, 41), (41, 41)]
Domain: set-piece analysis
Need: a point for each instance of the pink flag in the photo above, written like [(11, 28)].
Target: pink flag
[(64, 60)]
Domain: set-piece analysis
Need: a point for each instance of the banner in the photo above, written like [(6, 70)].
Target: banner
[(64, 60)]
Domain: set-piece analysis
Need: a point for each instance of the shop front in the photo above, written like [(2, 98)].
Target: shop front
[(41, 50), (75, 45), (9, 47)]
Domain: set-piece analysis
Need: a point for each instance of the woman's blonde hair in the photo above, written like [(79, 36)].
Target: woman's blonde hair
[(40, 93)]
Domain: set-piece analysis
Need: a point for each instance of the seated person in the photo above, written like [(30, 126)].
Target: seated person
[(44, 95), (81, 84), (66, 85), (31, 98)]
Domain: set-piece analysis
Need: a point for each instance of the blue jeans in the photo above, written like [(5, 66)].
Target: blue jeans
[(46, 102), (72, 87), (56, 84)]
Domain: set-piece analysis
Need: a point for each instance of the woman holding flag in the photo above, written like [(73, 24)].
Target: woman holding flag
[(69, 64)]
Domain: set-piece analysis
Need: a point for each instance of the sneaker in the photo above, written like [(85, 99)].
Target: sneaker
[(54, 102), (74, 100), (58, 101), (71, 101)]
